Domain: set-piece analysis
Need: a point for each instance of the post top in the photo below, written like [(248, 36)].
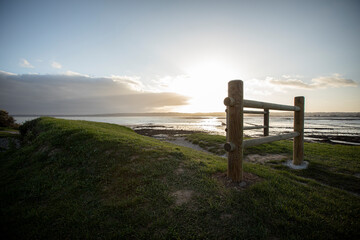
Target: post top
[(235, 80)]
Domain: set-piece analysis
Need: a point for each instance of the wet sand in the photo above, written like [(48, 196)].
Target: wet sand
[(161, 132)]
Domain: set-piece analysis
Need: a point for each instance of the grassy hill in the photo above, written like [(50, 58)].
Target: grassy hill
[(87, 180)]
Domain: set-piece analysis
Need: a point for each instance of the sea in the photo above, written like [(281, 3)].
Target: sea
[(345, 128)]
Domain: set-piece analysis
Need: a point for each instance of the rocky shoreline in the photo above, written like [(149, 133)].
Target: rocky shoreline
[(343, 140), (161, 132)]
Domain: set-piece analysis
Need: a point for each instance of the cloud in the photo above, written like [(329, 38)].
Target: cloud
[(171, 83), (291, 83), (291, 76), (71, 73), (56, 65), (255, 87), (75, 93), (24, 63), (334, 81), (132, 81), (7, 73)]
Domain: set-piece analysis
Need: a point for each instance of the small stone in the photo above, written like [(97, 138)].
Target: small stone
[(242, 184)]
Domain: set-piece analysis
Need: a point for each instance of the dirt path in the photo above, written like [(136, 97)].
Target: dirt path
[(12, 132), (254, 158), (177, 137), (181, 141)]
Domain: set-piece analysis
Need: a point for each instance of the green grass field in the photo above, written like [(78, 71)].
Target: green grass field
[(87, 180), (334, 165)]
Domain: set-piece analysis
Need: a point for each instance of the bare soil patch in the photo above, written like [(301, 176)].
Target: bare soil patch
[(182, 196), (257, 158), (248, 180), (179, 171)]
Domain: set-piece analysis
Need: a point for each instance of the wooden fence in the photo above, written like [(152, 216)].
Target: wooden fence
[(235, 144)]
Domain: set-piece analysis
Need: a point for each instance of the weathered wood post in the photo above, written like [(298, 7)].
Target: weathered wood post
[(266, 122), (234, 145), (298, 151), (227, 124)]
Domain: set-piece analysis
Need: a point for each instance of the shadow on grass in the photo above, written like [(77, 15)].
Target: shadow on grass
[(325, 176)]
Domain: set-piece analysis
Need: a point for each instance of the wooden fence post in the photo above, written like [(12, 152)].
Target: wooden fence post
[(266, 122), (227, 124), (298, 151), (234, 146)]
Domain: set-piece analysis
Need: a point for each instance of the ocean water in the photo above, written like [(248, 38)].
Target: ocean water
[(314, 126)]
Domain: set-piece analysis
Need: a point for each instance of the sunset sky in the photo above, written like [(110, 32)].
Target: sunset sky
[(88, 57)]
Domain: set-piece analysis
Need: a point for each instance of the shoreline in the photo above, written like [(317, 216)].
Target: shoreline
[(159, 132), (342, 140)]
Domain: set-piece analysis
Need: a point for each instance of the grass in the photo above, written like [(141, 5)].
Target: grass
[(334, 165), (8, 132), (10, 135), (211, 143), (7, 129), (86, 180)]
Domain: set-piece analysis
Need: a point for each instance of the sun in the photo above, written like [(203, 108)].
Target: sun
[(205, 83)]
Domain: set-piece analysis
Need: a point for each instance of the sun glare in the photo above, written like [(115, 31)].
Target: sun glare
[(206, 85)]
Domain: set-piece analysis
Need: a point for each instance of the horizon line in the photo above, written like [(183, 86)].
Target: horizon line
[(162, 113)]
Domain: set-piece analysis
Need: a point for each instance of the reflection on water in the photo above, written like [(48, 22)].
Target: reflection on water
[(211, 125)]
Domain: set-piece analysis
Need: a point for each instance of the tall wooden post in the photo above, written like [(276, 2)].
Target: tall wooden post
[(227, 127), (298, 152), (234, 146), (266, 122), (227, 124)]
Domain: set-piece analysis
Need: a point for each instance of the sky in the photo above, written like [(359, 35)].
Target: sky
[(94, 57)]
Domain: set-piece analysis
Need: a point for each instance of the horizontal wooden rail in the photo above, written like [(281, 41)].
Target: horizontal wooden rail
[(258, 141), (254, 112), (254, 127), (273, 106), (235, 144)]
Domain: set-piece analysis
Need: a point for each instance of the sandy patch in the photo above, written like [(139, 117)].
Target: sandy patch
[(257, 158), (179, 171), (182, 196)]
